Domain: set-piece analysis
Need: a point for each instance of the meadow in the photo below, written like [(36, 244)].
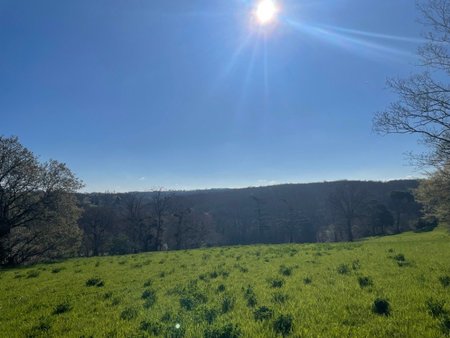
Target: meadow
[(393, 286)]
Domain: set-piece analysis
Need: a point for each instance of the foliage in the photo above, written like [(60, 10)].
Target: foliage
[(38, 211)]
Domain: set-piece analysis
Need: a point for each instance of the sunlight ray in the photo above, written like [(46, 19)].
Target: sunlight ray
[(349, 42)]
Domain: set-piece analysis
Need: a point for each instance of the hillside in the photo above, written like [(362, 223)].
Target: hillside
[(306, 290)]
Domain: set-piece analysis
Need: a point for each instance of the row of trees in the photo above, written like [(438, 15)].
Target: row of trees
[(134, 222), (42, 216)]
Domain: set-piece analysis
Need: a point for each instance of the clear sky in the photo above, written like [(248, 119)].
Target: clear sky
[(183, 94)]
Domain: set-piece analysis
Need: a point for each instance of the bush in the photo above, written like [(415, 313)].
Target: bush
[(166, 317), (365, 281), (250, 296), (129, 313), (285, 271), (445, 281), (307, 280), (381, 306), (187, 303), (400, 258), (343, 269), (262, 313), (148, 283), (62, 308), (175, 331), (221, 288), (251, 300), (150, 298), (279, 298), (227, 304), (95, 282), (283, 325), (225, 331), (445, 325), (152, 328), (210, 315), (276, 283), (43, 326), (356, 265), (32, 274), (56, 270), (435, 307)]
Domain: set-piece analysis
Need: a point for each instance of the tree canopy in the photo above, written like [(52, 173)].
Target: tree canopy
[(38, 211)]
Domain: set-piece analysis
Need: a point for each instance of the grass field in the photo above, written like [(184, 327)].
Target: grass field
[(300, 290)]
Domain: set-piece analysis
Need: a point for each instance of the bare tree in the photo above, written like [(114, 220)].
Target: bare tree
[(183, 226), (423, 105), (160, 209), (260, 217), (138, 218), (348, 202), (95, 222)]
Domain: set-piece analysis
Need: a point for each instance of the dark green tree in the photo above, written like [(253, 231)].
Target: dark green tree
[(38, 212)]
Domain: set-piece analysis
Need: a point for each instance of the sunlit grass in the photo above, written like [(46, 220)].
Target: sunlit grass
[(250, 290)]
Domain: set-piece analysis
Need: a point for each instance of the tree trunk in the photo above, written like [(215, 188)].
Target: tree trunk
[(349, 230)]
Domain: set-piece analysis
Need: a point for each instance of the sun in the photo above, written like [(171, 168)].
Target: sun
[(266, 11)]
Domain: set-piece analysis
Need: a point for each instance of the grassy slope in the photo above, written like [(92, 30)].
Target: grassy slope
[(332, 305)]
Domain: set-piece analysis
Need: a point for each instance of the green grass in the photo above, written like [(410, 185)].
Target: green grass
[(301, 290)]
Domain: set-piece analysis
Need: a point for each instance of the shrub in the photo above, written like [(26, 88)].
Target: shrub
[(32, 274), (44, 325), (285, 271), (210, 315), (115, 301), (166, 317), (381, 306), (225, 331), (279, 298), (213, 275), (221, 288), (175, 331), (227, 303), (56, 270), (356, 265), (153, 328), (435, 307), (262, 313), (251, 300), (445, 281), (276, 283), (187, 303), (283, 325), (307, 280), (95, 282), (150, 298), (62, 308), (365, 281), (445, 325), (343, 269), (400, 258), (148, 283), (107, 295), (129, 313), (250, 296)]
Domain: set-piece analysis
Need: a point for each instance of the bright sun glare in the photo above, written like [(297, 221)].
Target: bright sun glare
[(266, 11)]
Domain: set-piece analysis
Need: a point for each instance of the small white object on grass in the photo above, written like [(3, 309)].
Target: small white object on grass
[(177, 326)]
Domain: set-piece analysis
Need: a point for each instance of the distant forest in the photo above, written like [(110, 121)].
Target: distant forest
[(120, 223)]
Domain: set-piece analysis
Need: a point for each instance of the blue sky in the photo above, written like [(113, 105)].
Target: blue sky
[(134, 95)]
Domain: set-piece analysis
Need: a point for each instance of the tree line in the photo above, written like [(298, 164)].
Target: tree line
[(42, 216)]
